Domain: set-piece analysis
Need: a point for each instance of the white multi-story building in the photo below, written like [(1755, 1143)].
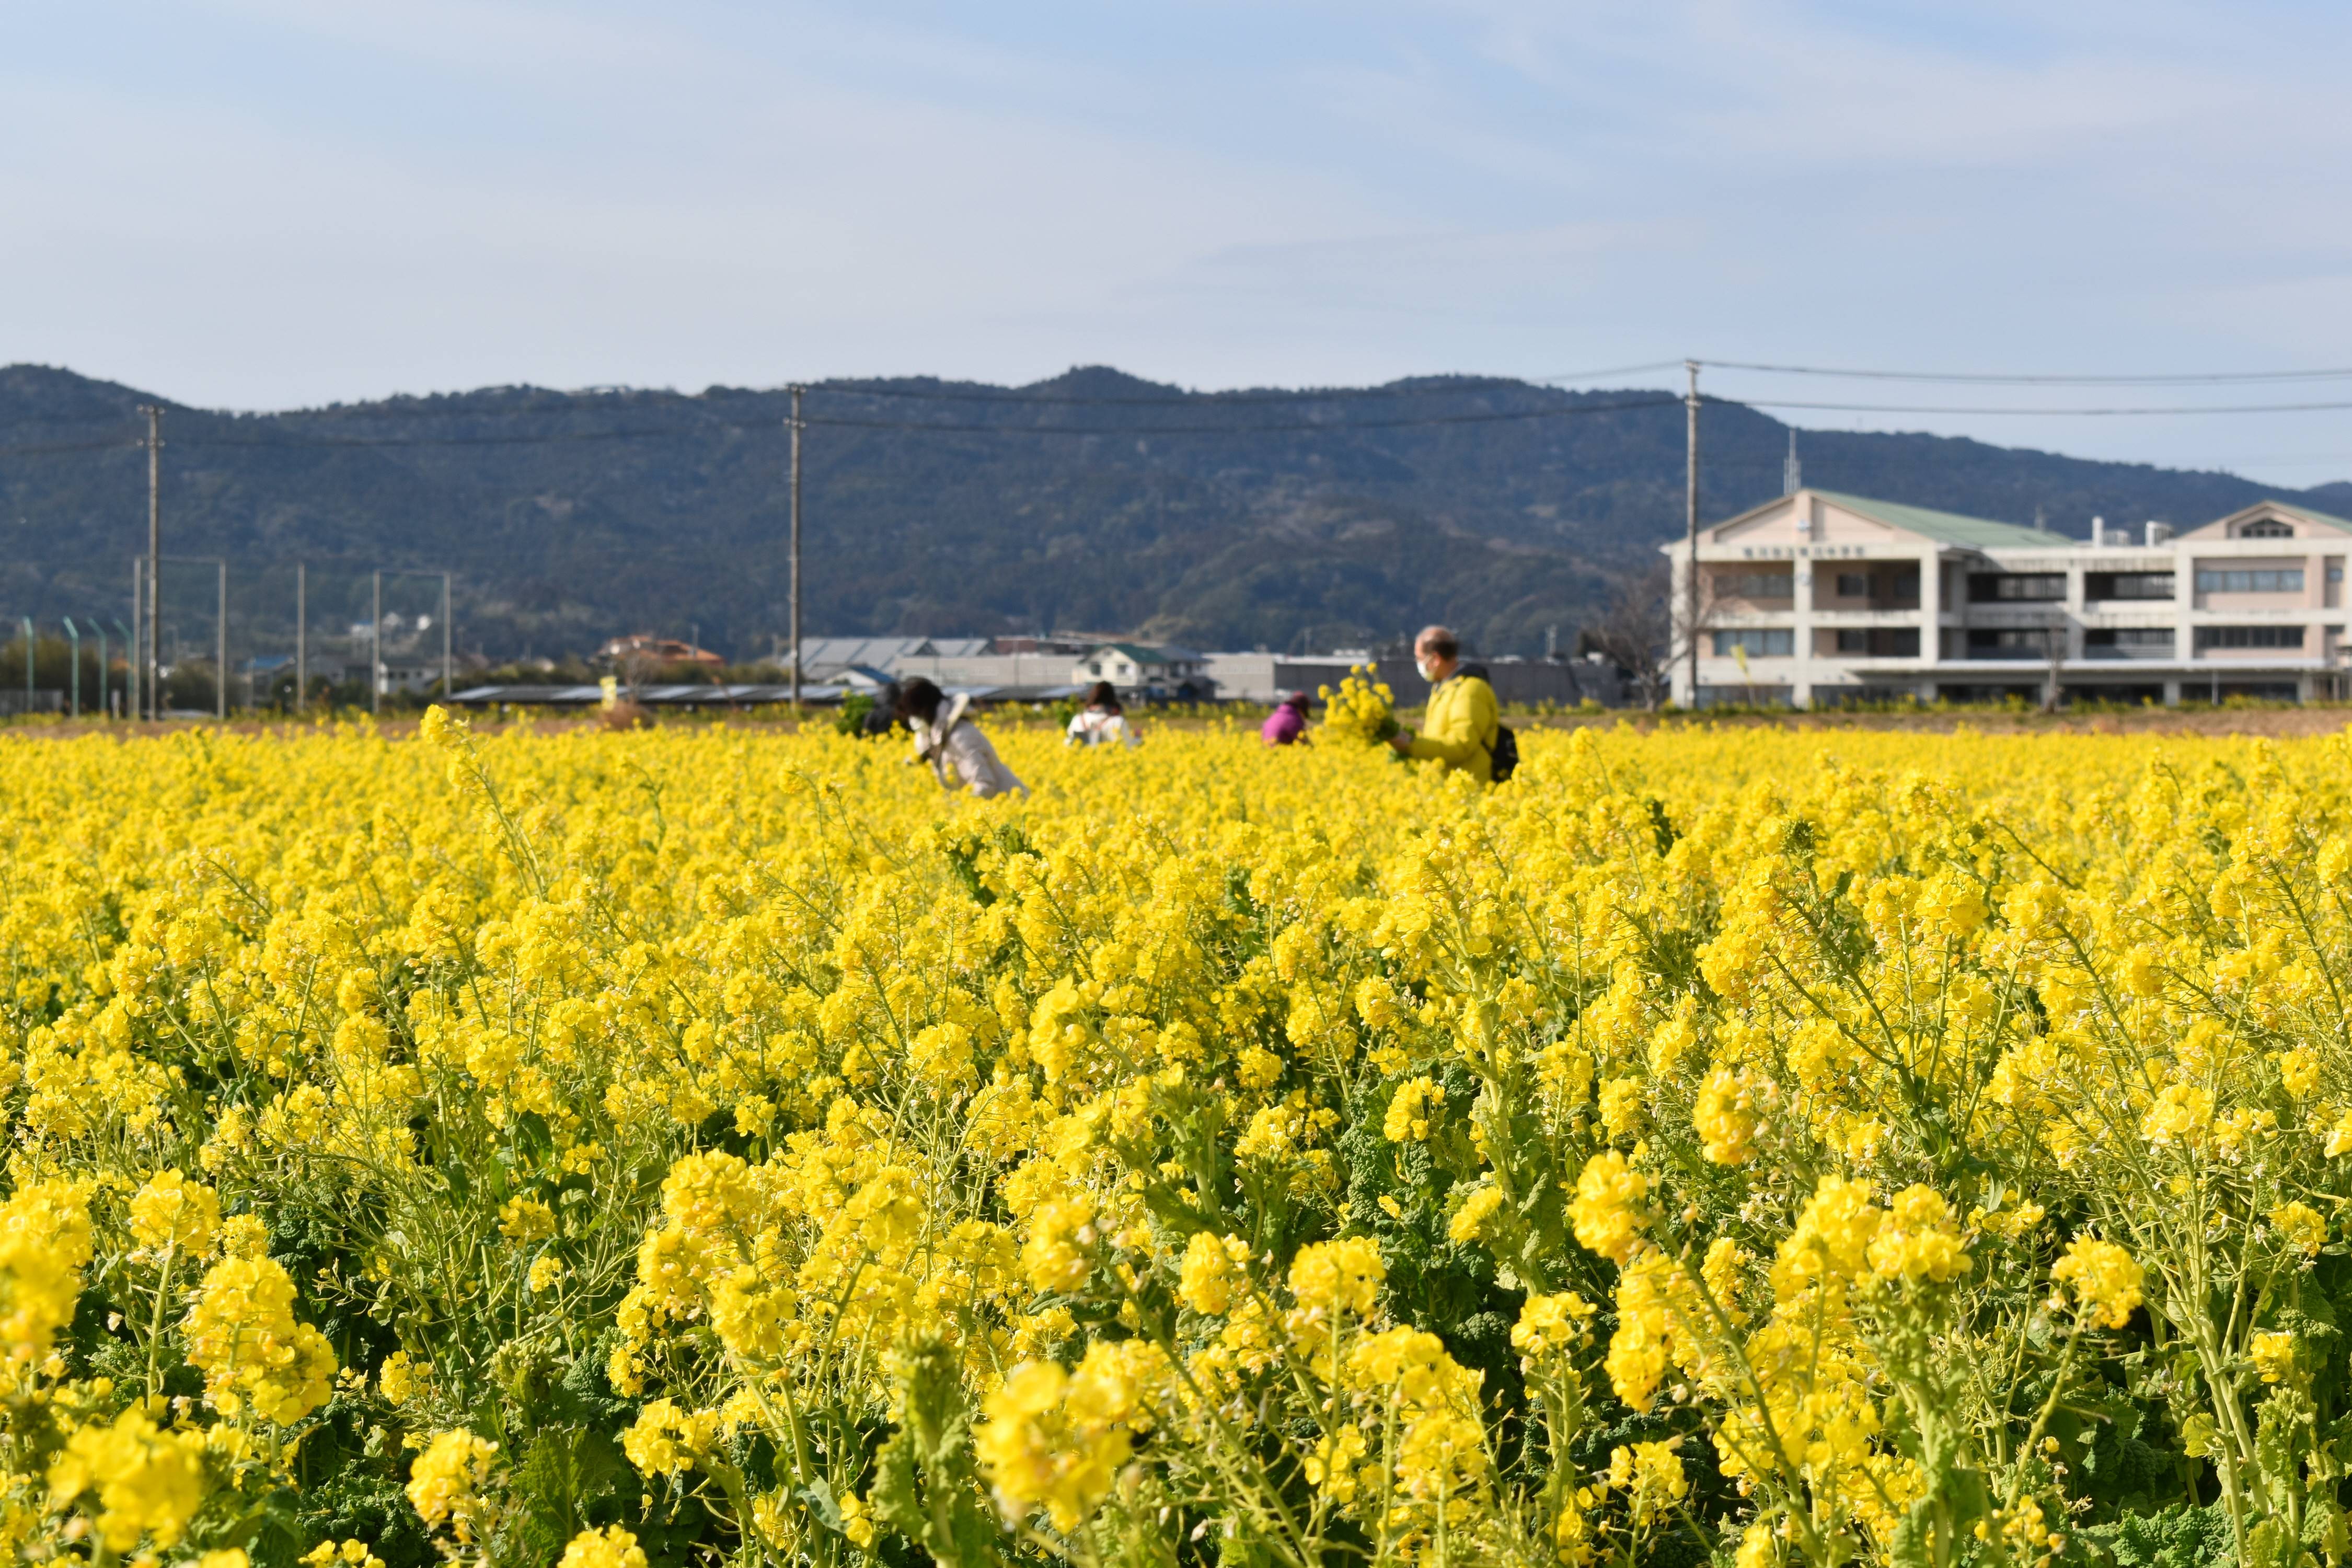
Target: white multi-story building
[(1819, 598)]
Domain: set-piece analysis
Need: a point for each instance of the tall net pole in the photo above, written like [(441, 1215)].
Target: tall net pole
[(155, 664), (796, 549), (1690, 531)]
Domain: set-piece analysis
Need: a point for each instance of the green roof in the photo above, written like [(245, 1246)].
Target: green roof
[(1136, 651), (1950, 527), (2308, 515)]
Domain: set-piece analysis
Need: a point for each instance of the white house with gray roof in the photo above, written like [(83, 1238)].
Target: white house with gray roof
[(1819, 598)]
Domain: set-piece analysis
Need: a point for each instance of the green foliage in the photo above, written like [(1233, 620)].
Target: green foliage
[(855, 709), (925, 1484)]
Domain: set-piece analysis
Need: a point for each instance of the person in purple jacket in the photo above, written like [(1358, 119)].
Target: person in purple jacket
[(1286, 725)]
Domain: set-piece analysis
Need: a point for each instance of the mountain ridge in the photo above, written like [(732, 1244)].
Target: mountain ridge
[(1283, 517)]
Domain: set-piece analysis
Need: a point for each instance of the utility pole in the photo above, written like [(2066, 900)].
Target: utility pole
[(447, 670), (129, 663), (73, 636), (797, 390), (375, 650), (301, 632), (1793, 473), (131, 697), (154, 558), (29, 665), (220, 645), (1690, 531)]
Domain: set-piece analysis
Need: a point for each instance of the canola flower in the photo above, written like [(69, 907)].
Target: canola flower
[(618, 1147), (1361, 711)]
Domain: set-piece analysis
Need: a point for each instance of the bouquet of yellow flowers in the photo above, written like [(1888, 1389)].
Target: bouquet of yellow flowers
[(1361, 709)]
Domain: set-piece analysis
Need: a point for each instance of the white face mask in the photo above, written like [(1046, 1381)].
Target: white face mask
[(1428, 668)]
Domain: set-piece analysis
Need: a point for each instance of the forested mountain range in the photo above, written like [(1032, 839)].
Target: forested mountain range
[(1092, 501)]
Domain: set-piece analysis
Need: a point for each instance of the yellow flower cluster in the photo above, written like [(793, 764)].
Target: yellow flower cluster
[(714, 1143), (1361, 711)]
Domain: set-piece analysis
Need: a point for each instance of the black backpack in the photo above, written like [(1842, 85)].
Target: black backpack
[(1503, 754)]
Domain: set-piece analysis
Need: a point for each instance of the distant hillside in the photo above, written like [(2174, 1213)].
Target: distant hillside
[(571, 516)]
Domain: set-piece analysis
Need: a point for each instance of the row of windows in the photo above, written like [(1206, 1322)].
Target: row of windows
[(1993, 587), (2033, 642), (2283, 580), (2023, 642), (2127, 585), (1904, 584), (2035, 587), (2249, 637)]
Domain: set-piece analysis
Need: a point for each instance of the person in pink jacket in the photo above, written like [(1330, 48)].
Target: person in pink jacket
[(1286, 725)]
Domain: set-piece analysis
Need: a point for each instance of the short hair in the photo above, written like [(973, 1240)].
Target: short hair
[(1441, 641), (1105, 696), (920, 698)]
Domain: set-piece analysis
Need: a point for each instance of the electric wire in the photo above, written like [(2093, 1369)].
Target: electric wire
[(283, 438), (2092, 413), (2183, 378), (45, 448)]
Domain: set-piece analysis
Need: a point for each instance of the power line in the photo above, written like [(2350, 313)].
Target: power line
[(127, 444), (1935, 408), (1608, 370), (2180, 379)]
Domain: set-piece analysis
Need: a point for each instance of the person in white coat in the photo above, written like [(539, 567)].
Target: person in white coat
[(959, 752), (1102, 722)]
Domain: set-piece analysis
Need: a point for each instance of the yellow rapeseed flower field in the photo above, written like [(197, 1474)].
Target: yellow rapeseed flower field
[(707, 1145)]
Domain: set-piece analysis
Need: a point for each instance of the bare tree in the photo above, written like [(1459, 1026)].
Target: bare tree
[(1636, 631)]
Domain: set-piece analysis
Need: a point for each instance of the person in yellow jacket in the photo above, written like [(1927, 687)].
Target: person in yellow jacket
[(1463, 719)]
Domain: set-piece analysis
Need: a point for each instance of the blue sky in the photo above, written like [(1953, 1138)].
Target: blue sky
[(265, 202)]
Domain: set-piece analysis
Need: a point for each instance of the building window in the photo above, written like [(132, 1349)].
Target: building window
[(1853, 584), (1879, 642), (1906, 585), (2249, 637), (2335, 571), (1759, 642), (2127, 585), (2219, 579), (1752, 585), (2127, 642), (1993, 587), (2268, 528), (2013, 642)]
